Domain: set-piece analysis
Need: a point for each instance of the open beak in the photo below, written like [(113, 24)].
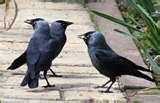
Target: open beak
[(28, 21), (81, 36)]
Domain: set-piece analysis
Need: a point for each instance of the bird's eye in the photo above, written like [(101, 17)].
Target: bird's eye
[(34, 23), (87, 36), (63, 24)]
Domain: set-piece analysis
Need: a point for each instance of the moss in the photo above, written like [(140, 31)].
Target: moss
[(136, 101)]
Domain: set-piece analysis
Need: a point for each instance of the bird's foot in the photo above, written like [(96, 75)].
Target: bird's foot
[(41, 76), (107, 91), (55, 75), (48, 86), (99, 86)]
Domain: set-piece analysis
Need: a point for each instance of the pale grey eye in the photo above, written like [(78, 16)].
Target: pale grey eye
[(88, 36), (63, 24), (34, 23)]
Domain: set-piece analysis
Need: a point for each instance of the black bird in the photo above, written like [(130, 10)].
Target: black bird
[(44, 46), (21, 60), (107, 62)]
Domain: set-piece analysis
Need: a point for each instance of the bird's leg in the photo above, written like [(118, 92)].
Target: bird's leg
[(48, 84), (102, 86), (41, 76), (107, 91), (54, 74)]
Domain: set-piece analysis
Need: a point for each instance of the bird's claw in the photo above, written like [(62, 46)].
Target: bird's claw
[(48, 86), (107, 91), (99, 87), (55, 75), (41, 77)]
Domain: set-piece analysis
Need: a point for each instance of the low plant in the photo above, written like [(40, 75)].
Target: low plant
[(145, 37)]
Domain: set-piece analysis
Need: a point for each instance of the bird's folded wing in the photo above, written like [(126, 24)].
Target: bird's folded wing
[(111, 58), (33, 52)]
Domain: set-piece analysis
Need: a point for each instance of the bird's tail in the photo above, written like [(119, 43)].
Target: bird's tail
[(143, 69), (12, 67), (31, 78), (144, 76), (15, 65), (18, 62)]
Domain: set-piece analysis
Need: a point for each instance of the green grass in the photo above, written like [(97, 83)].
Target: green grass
[(136, 101)]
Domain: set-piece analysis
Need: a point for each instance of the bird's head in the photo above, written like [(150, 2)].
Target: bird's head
[(86, 37), (93, 38), (38, 24), (33, 21), (64, 23)]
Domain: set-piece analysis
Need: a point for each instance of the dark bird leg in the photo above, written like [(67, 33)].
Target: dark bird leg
[(41, 76), (48, 84), (107, 91), (54, 74), (102, 86)]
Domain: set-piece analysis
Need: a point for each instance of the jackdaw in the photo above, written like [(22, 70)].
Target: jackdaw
[(21, 60), (107, 62), (44, 46)]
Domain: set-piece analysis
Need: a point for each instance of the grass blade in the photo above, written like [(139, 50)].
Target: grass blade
[(121, 22)]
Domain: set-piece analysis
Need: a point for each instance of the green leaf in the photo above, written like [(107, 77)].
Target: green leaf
[(155, 31), (122, 32), (147, 5), (121, 22)]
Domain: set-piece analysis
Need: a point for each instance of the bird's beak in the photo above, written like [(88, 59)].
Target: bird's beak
[(28, 21), (81, 36), (69, 23)]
